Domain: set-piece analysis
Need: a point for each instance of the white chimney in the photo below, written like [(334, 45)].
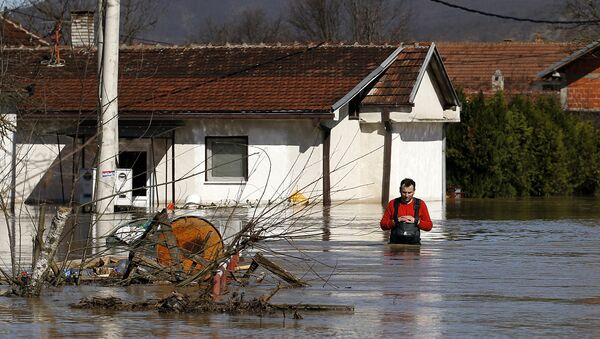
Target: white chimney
[(82, 29), (498, 81)]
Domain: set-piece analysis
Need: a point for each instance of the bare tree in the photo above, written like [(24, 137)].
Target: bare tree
[(350, 20), (255, 26), (251, 26), (137, 16), (377, 20), (316, 19), (581, 10)]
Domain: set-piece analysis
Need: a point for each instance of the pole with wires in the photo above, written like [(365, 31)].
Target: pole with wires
[(108, 119)]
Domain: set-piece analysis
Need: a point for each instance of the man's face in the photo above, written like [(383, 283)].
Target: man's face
[(406, 193)]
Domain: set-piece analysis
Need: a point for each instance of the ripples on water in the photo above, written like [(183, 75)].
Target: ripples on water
[(489, 268)]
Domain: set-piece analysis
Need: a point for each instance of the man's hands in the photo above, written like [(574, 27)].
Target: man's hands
[(407, 219)]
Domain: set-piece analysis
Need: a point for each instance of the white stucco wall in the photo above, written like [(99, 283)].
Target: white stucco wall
[(38, 169), (356, 160), (417, 153), (417, 145), (284, 156)]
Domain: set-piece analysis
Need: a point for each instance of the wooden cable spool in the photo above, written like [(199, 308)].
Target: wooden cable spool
[(192, 244)]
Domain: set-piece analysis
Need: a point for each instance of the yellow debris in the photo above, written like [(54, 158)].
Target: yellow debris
[(298, 198)]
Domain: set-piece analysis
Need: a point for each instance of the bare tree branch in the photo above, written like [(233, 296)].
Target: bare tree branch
[(317, 20)]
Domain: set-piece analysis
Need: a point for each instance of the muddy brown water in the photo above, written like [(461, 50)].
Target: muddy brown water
[(500, 268)]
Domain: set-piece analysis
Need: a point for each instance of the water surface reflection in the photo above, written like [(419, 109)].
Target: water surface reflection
[(492, 267)]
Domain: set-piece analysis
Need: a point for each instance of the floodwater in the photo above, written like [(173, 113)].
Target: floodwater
[(499, 268)]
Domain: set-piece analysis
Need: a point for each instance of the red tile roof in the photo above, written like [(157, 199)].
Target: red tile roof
[(396, 84), (471, 65), (202, 80), (13, 34)]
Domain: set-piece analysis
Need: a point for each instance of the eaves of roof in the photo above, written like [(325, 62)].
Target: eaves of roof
[(235, 81), (16, 35), (368, 80), (569, 59)]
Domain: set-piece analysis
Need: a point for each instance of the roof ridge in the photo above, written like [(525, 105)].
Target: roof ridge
[(23, 29), (495, 43), (259, 45)]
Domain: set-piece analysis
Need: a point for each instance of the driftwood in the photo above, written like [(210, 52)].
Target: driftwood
[(158, 219), (155, 271), (314, 307), (181, 303), (277, 270), (48, 250)]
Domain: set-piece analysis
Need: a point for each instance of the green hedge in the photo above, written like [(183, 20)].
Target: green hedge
[(525, 147)]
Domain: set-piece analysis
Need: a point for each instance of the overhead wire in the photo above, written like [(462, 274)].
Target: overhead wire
[(507, 17)]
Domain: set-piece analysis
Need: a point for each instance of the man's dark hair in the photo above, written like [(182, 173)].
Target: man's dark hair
[(407, 182)]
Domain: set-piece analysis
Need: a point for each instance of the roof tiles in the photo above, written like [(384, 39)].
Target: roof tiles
[(202, 79), (396, 84), (471, 65), (13, 34)]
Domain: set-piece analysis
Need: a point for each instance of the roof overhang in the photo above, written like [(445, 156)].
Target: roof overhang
[(125, 116), (433, 61), (127, 128), (373, 76), (569, 59)]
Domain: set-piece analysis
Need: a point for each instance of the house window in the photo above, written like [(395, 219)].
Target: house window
[(226, 158)]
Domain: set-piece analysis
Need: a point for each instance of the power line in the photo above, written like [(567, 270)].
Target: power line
[(500, 16)]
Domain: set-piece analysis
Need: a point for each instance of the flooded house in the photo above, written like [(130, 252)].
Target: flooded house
[(234, 123)]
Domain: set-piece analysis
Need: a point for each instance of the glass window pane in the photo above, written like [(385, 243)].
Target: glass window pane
[(227, 158)]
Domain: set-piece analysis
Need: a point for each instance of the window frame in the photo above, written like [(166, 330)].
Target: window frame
[(208, 142)]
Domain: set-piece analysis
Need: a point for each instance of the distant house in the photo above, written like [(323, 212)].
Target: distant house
[(509, 66), (13, 34), (579, 77), (238, 123)]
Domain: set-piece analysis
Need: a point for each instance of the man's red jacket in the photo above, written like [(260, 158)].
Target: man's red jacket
[(387, 221)]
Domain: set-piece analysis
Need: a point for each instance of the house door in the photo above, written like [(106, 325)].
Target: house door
[(137, 161)]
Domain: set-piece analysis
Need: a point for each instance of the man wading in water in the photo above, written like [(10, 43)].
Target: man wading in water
[(406, 216)]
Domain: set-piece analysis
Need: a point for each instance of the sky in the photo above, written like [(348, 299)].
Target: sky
[(180, 20), (430, 21)]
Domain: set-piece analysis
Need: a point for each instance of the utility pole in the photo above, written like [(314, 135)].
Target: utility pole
[(108, 115)]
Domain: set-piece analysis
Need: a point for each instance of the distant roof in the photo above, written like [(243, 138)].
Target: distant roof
[(471, 65), (13, 34), (209, 80), (570, 58)]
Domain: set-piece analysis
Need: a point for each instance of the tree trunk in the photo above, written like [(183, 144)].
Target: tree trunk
[(48, 250)]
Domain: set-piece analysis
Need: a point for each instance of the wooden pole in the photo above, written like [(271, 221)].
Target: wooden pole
[(326, 165), (387, 157)]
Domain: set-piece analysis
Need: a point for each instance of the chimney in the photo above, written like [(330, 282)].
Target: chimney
[(497, 81), (82, 29)]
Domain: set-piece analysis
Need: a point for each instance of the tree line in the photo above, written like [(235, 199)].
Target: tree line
[(522, 147), (373, 21)]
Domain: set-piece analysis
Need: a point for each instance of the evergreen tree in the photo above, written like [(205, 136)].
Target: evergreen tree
[(526, 147)]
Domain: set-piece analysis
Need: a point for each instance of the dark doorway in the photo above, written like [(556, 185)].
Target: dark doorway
[(137, 162)]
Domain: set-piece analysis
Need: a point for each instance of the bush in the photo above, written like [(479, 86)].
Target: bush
[(527, 147)]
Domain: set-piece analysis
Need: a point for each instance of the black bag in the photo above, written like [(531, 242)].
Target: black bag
[(405, 233)]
